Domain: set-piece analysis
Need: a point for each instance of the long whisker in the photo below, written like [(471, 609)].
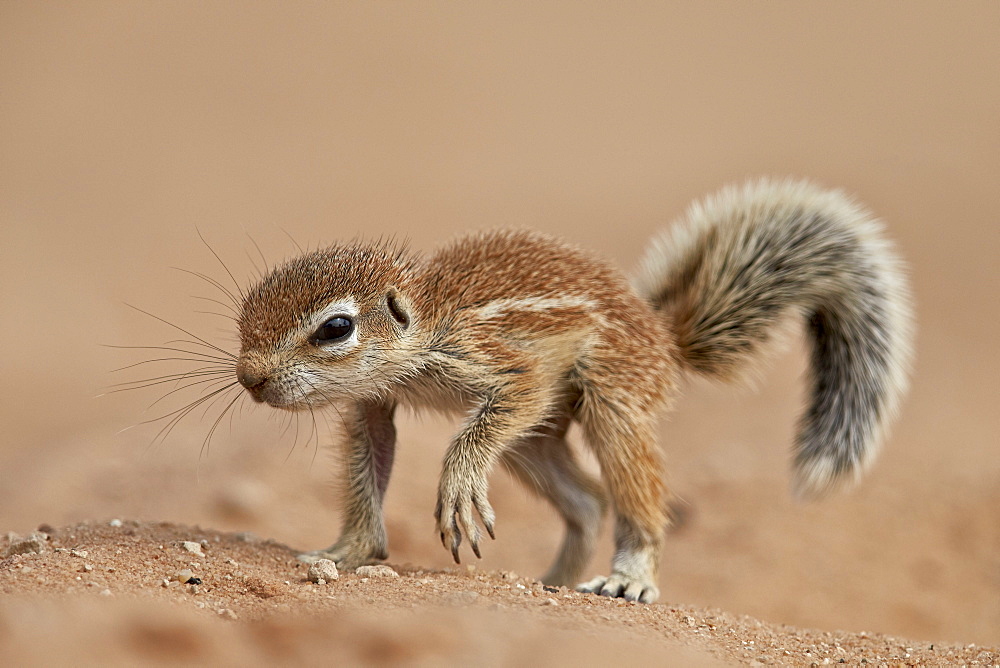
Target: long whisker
[(239, 409), (313, 434), (171, 342), (228, 359), (184, 387), (191, 406), (329, 399), (217, 301), (239, 290), (215, 425), (292, 239), (262, 258), (211, 281), (181, 413), (181, 329), (295, 440), (168, 359), (221, 315), (527, 465), (162, 380)]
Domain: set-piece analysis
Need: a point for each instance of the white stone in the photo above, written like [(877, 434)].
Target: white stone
[(323, 569), (377, 571)]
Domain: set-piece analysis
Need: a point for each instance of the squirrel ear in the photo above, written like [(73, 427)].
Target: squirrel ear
[(397, 307)]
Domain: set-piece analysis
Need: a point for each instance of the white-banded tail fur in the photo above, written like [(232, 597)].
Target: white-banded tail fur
[(742, 260)]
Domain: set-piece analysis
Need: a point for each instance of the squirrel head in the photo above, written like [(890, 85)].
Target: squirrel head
[(327, 325)]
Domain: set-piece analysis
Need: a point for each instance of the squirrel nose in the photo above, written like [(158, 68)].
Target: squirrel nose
[(249, 379)]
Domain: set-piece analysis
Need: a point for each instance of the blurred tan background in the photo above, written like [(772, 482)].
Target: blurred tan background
[(127, 127)]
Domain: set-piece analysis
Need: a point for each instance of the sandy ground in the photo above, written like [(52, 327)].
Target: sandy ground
[(131, 591), (128, 129)]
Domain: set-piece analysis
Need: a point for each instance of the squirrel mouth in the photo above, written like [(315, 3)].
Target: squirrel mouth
[(283, 403), (261, 395)]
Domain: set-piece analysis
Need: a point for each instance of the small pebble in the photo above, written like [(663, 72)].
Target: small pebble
[(115, 523), (379, 571), (193, 547), (33, 544), (323, 569)]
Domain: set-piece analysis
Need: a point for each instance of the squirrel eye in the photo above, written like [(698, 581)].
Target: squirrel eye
[(332, 330)]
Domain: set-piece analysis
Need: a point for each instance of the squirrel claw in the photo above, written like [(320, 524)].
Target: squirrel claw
[(486, 514), (619, 585), (451, 538), (454, 514)]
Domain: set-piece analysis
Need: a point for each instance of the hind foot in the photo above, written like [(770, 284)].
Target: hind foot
[(347, 553), (620, 585)]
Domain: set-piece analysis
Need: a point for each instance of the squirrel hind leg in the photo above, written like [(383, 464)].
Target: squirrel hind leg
[(544, 463), (631, 467)]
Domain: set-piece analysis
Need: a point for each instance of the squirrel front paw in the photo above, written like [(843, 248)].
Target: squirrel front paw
[(456, 499)]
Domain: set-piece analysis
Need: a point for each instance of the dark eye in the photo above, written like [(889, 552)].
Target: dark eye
[(334, 329)]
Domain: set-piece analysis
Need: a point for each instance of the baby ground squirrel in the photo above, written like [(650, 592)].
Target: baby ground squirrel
[(523, 334)]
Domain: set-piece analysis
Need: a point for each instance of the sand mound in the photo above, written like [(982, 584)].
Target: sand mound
[(124, 592)]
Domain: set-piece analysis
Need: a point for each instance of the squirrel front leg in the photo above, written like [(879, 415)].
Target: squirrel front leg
[(370, 452), (503, 417)]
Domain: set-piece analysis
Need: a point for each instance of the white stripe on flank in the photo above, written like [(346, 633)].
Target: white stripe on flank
[(499, 307)]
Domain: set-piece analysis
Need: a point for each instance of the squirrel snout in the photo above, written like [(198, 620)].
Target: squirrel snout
[(253, 381)]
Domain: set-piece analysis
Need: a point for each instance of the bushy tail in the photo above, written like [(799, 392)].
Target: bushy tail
[(741, 260)]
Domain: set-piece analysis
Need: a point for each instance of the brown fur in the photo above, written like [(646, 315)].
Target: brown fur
[(520, 333)]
